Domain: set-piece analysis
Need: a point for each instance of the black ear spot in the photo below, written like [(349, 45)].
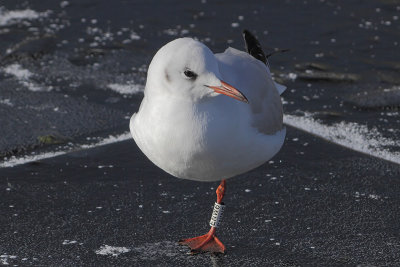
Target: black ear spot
[(167, 76), (190, 74)]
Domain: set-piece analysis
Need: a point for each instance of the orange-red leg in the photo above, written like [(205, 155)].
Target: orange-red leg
[(208, 242)]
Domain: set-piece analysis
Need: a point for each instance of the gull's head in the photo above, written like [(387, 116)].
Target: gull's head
[(188, 69)]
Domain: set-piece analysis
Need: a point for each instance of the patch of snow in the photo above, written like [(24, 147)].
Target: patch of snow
[(171, 32), (18, 72), (109, 140), (105, 166), (64, 4), (111, 251), (69, 242), (6, 102), (126, 89), (348, 134), (134, 36), (4, 259), (10, 17), (291, 76), (23, 76), (373, 196)]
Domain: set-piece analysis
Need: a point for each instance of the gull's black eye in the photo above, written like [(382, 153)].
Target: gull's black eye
[(190, 74)]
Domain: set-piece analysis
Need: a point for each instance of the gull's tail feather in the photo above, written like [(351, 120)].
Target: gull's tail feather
[(253, 46)]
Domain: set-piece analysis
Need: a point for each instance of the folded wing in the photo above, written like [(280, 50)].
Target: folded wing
[(253, 79)]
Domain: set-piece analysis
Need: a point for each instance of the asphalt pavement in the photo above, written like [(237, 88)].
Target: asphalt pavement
[(314, 204)]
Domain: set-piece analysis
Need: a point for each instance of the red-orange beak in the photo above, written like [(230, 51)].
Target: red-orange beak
[(229, 90)]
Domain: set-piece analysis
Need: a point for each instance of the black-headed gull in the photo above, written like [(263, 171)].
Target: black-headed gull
[(208, 117)]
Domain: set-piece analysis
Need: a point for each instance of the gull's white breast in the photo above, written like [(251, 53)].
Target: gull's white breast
[(219, 137)]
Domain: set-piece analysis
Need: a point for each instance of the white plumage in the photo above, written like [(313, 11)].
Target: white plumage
[(193, 132)]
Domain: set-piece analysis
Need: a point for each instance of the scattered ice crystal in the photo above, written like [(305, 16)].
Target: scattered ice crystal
[(111, 251)]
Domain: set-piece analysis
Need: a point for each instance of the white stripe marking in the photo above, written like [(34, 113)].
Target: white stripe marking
[(15, 161), (348, 134)]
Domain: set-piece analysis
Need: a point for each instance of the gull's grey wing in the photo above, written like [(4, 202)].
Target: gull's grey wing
[(251, 77)]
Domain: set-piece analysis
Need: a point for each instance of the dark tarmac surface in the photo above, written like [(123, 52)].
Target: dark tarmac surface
[(56, 115), (316, 204), (72, 72)]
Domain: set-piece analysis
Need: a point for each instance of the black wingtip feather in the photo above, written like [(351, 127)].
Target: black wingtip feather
[(253, 47)]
